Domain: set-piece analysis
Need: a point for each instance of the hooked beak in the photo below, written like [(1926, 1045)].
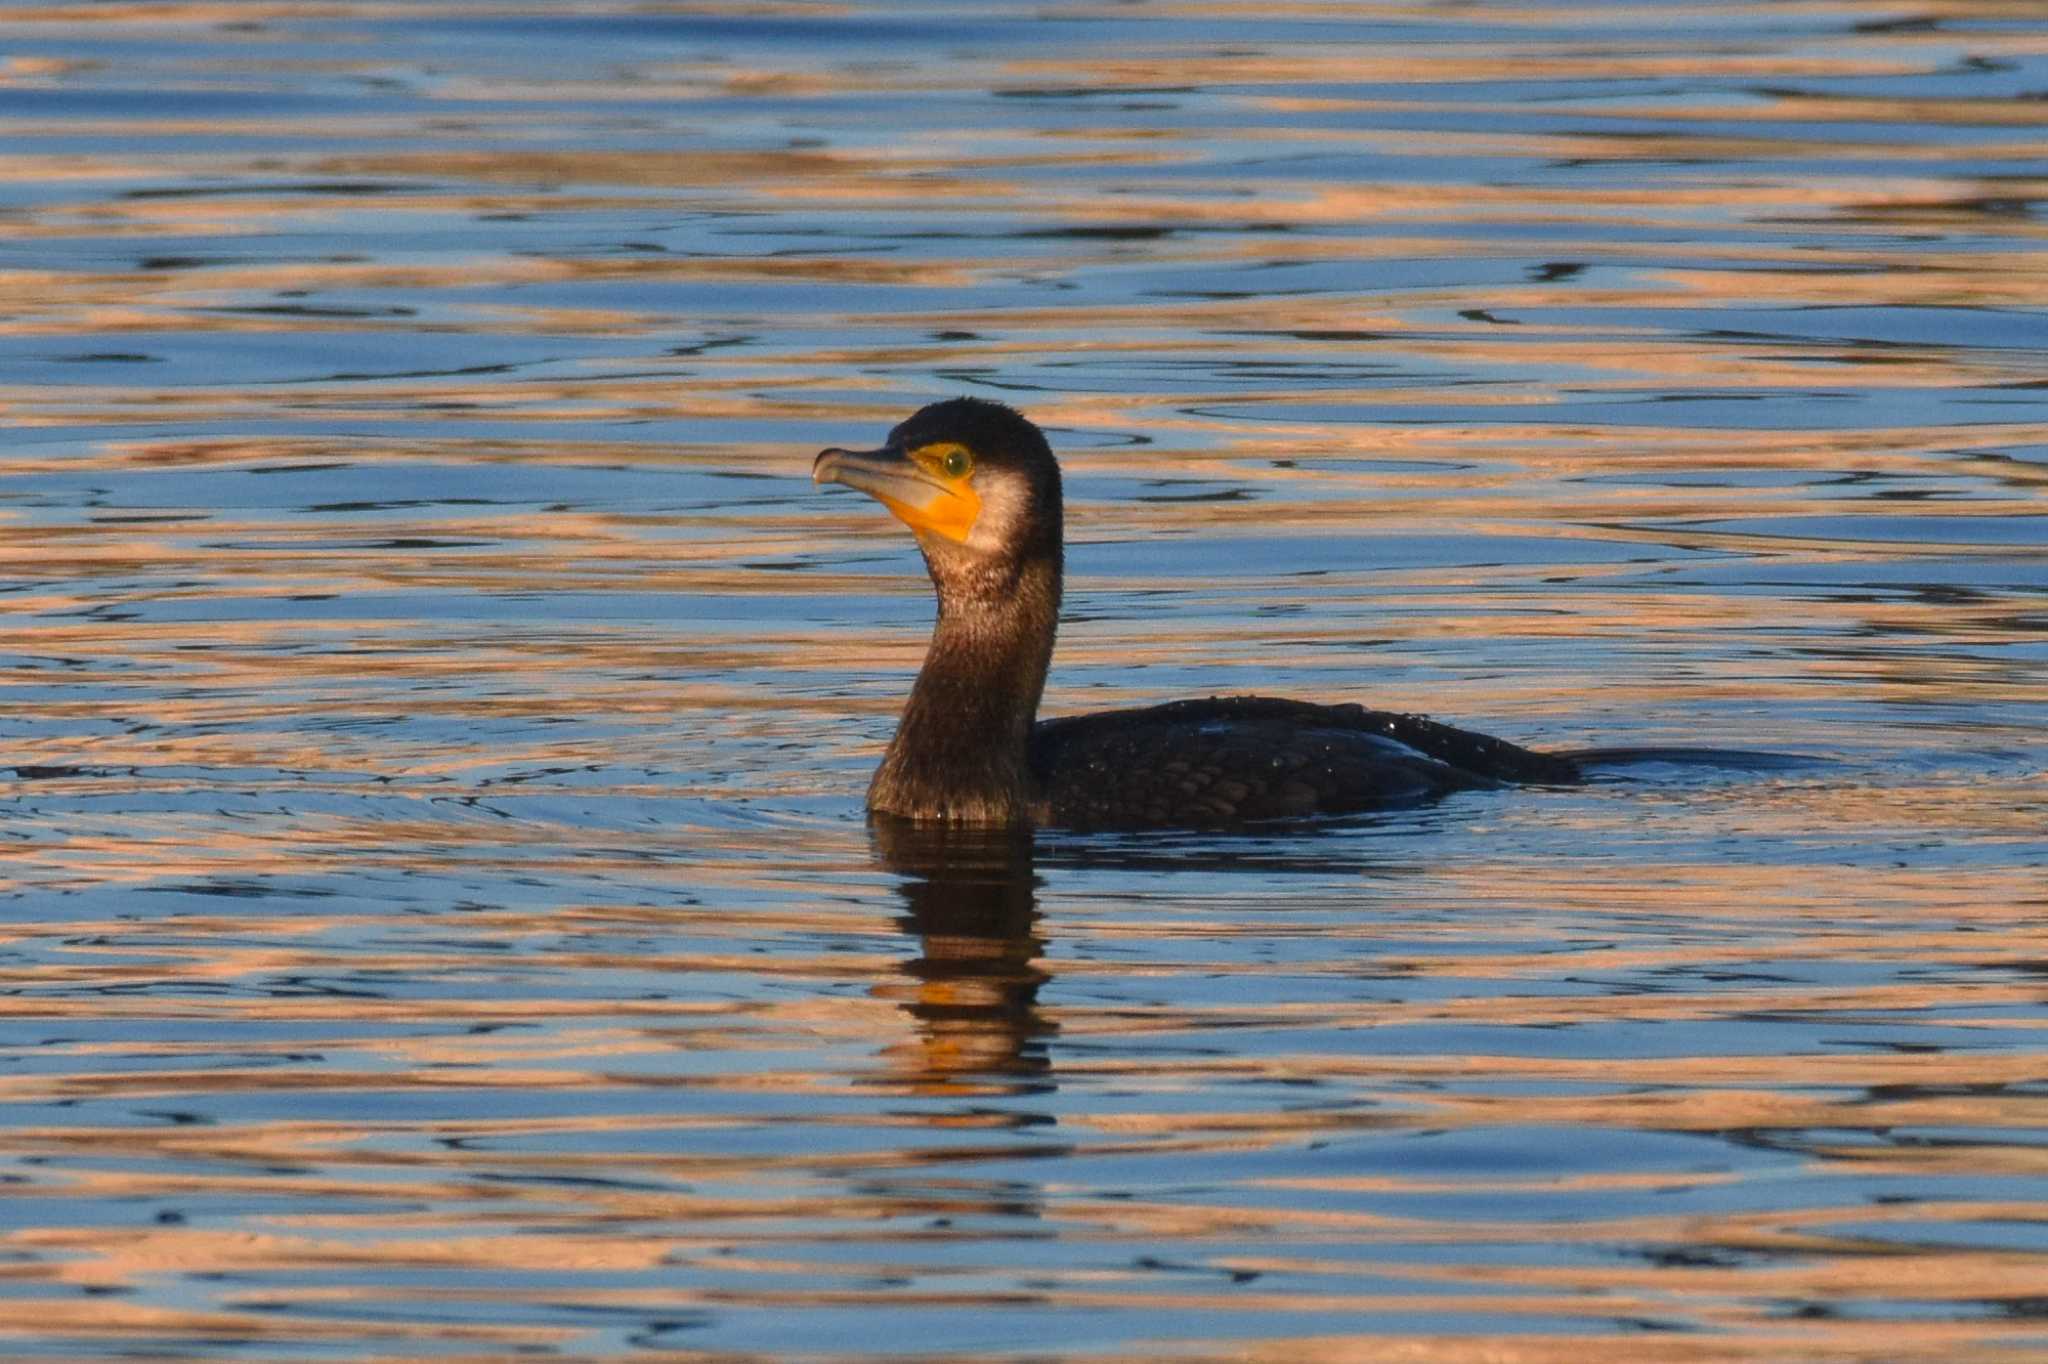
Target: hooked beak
[(922, 499)]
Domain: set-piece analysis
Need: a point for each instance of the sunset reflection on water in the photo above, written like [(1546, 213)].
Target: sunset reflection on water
[(442, 919)]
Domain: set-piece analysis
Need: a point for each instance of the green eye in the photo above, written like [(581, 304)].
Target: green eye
[(957, 463)]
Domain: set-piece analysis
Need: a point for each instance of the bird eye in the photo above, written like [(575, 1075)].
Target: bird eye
[(957, 463)]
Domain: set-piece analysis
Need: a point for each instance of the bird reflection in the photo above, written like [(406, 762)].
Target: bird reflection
[(971, 898)]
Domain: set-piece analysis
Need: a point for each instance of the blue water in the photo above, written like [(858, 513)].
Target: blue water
[(437, 914)]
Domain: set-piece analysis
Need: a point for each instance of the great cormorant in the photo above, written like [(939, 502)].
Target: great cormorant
[(978, 484)]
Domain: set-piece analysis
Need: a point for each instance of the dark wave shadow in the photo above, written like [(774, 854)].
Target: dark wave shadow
[(1612, 764)]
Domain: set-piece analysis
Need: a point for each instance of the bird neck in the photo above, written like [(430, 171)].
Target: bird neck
[(962, 752)]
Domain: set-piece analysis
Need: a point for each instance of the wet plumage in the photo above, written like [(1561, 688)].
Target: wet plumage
[(979, 486)]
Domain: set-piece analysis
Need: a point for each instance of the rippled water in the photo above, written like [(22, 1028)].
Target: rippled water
[(439, 919)]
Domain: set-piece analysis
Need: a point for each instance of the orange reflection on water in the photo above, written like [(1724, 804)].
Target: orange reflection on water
[(439, 704)]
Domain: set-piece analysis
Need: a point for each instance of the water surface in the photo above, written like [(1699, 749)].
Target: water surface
[(439, 919)]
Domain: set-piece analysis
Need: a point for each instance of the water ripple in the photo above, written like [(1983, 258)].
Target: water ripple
[(442, 921)]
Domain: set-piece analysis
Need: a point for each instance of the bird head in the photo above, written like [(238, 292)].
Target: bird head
[(971, 477)]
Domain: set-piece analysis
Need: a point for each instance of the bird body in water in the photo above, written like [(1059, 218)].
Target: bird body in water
[(979, 486)]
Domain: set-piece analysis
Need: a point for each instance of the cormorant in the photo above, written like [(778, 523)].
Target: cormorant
[(978, 484)]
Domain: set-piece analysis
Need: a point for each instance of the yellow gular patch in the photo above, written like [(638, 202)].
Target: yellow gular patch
[(956, 507)]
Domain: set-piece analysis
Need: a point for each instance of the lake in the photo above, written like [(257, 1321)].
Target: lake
[(438, 917)]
